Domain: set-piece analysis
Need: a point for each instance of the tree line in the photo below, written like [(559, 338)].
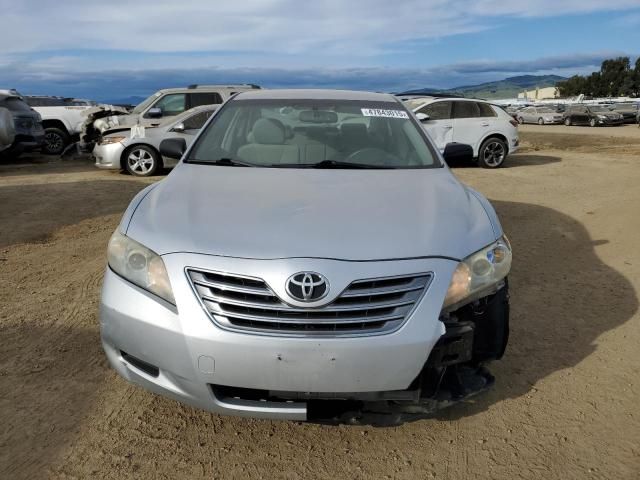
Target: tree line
[(616, 78)]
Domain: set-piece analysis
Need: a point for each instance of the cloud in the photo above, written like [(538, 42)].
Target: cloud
[(31, 78), (319, 28)]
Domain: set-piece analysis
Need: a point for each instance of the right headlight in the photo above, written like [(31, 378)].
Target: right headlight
[(478, 273), (139, 265)]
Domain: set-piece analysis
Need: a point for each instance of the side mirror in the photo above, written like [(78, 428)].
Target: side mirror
[(154, 112), (458, 152), (178, 127), (422, 117), (173, 148)]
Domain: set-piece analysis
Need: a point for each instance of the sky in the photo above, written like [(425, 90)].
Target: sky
[(115, 49)]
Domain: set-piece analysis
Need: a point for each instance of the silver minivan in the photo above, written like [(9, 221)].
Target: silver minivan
[(311, 248)]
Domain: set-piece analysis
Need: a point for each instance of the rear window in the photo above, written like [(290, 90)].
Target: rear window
[(205, 98), (486, 110)]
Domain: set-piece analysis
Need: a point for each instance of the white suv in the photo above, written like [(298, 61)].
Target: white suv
[(491, 131)]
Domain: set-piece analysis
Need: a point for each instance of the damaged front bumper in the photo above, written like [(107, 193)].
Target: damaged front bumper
[(99, 120)]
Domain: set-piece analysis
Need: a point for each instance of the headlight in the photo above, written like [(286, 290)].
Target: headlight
[(108, 140), (478, 273), (602, 117), (139, 265)]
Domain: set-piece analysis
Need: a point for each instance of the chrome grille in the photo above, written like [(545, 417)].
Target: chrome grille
[(365, 307)]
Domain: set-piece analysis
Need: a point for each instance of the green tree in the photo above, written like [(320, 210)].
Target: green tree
[(615, 78)]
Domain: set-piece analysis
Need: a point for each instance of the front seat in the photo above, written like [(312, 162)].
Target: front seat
[(268, 145)]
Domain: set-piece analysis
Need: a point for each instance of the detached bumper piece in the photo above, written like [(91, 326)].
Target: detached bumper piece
[(453, 373)]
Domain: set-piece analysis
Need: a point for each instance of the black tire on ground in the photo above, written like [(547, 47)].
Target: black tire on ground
[(592, 122), (492, 153), (55, 141), (141, 161), (567, 121), (541, 121)]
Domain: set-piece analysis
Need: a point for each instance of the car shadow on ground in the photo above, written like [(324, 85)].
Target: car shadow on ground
[(563, 297), (514, 161)]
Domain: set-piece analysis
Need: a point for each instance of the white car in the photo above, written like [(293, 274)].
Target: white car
[(491, 132)]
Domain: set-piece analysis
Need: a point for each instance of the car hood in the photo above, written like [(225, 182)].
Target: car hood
[(283, 213)]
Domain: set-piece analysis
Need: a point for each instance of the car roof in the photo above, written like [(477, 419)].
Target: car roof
[(419, 102), (315, 94), (207, 88)]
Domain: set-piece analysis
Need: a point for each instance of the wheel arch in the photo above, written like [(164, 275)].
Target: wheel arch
[(497, 135), (125, 152), (55, 123)]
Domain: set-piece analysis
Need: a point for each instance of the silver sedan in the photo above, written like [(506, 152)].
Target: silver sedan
[(137, 149), (539, 115)]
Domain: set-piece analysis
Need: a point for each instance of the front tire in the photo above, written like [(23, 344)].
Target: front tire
[(521, 120), (55, 141), (592, 122), (567, 122), (541, 121), (492, 153), (141, 161)]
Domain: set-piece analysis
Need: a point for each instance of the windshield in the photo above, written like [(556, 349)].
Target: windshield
[(144, 104), (16, 104), (303, 133)]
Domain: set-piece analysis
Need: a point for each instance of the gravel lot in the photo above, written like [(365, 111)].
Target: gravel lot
[(564, 405)]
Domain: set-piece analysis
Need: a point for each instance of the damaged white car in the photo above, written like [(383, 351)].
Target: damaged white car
[(151, 112), (137, 149)]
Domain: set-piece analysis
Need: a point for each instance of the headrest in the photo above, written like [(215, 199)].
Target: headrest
[(268, 131)]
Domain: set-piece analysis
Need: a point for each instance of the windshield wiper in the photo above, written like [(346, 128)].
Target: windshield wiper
[(229, 162), (328, 164)]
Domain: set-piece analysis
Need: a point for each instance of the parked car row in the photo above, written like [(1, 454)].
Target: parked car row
[(593, 115)]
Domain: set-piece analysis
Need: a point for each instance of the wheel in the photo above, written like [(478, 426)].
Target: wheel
[(521, 120), (567, 121), (141, 161), (55, 140), (592, 122), (492, 153), (541, 121)]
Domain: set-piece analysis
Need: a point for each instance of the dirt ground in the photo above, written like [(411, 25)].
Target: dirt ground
[(565, 404)]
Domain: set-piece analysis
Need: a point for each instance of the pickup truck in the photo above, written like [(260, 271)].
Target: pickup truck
[(62, 119)]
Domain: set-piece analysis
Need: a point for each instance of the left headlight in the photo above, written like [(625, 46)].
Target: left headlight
[(139, 265), (477, 273), (108, 140)]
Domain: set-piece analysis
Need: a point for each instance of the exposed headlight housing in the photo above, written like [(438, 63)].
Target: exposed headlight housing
[(477, 274), (139, 265), (109, 140)]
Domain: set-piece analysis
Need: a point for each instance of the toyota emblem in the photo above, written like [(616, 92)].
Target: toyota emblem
[(307, 286)]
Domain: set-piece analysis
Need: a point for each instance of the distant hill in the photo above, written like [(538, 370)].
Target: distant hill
[(507, 88), (124, 101)]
